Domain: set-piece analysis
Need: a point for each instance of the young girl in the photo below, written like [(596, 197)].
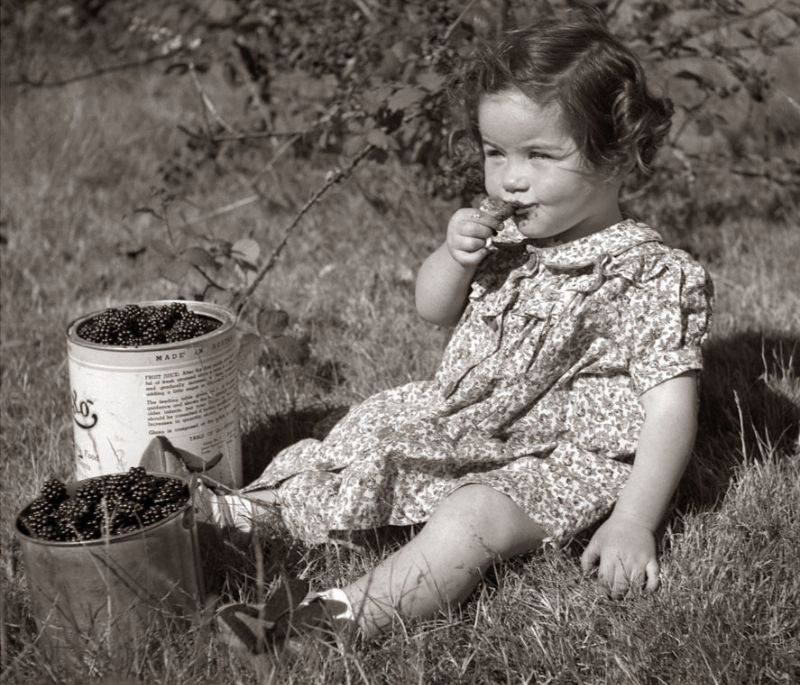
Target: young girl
[(569, 387)]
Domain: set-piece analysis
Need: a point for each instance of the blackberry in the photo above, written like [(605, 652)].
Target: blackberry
[(41, 506), (177, 309), (38, 524), (151, 516), (131, 311), (114, 487), (54, 491), (172, 507), (47, 531), (170, 491), (89, 493), (142, 491), (137, 473), (70, 513)]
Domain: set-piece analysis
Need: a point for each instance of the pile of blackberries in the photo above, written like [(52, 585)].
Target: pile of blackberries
[(134, 325), (104, 506)]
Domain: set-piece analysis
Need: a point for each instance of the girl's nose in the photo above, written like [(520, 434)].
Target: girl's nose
[(515, 182)]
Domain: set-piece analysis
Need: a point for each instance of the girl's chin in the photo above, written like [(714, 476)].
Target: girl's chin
[(534, 229)]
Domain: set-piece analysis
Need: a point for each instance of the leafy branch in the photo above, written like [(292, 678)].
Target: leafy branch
[(333, 178)]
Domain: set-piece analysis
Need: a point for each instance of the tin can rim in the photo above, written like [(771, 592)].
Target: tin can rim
[(101, 540), (216, 311)]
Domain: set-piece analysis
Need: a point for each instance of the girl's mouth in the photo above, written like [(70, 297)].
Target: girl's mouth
[(521, 211)]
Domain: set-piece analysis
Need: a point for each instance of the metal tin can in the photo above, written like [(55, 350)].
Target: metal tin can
[(184, 393), (99, 598)]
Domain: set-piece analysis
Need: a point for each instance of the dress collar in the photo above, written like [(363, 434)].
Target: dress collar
[(581, 252)]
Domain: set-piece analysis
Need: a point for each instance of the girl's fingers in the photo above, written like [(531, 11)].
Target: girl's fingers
[(589, 558), (470, 244), (606, 575), (477, 229), (653, 571), (472, 258), (631, 577), (619, 585)]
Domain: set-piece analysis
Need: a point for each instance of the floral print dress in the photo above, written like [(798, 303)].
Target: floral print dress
[(536, 395)]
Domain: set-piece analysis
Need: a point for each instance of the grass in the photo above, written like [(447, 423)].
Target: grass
[(76, 162)]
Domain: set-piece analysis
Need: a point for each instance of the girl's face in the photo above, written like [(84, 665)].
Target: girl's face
[(531, 162)]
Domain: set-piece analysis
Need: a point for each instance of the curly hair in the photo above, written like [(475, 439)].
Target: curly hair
[(573, 61)]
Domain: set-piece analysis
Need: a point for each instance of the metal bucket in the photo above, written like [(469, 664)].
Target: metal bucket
[(124, 398), (102, 599)]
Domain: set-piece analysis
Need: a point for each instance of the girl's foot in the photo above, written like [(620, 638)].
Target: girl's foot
[(231, 511)]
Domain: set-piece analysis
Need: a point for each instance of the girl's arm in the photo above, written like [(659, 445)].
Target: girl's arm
[(442, 288), (444, 279), (624, 546)]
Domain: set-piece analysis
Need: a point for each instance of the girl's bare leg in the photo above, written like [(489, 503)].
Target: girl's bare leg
[(472, 528)]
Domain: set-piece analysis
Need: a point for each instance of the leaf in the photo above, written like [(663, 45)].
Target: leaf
[(405, 97), (691, 76), (173, 270), (378, 138), (180, 67), (374, 99), (246, 250), (289, 349), (192, 462), (705, 127), (197, 256), (353, 144), (747, 32), (431, 81), (249, 347), (272, 322), (160, 247)]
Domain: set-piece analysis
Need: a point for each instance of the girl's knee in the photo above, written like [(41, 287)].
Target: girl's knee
[(490, 518)]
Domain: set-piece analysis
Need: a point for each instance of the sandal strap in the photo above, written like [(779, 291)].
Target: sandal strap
[(318, 613), (248, 639)]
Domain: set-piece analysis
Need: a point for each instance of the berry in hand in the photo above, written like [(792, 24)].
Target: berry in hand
[(499, 209)]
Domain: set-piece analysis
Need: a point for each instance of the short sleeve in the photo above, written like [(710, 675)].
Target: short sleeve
[(667, 320)]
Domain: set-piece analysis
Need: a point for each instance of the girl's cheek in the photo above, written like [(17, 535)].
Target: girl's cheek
[(493, 182)]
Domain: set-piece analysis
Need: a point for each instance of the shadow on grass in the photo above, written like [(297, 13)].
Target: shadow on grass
[(260, 445), (749, 408)]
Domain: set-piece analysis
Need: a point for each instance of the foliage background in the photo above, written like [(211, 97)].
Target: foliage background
[(204, 150)]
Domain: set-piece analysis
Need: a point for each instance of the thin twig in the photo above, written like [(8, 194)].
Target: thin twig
[(24, 80), (365, 9), (237, 204), (333, 179), (208, 103), (211, 282), (457, 21), (614, 9), (252, 86), (165, 218), (245, 135)]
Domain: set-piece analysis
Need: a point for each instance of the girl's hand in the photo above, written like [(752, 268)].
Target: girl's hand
[(625, 551), (467, 233)]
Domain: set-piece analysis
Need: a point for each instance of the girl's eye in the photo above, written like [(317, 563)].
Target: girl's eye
[(535, 154), (492, 153)]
